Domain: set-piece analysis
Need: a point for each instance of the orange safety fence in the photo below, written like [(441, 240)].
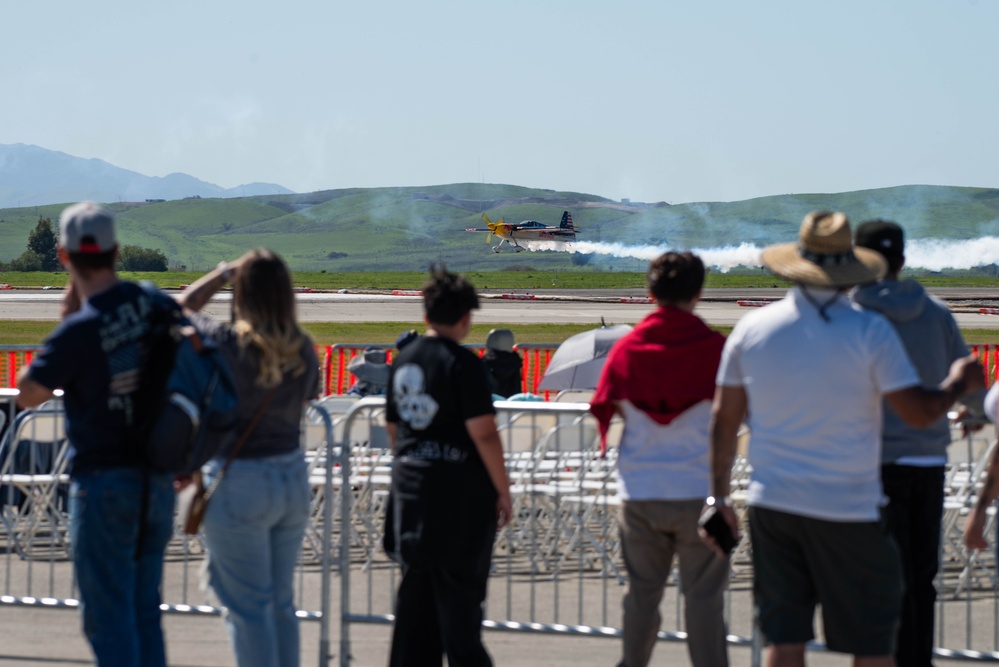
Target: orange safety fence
[(333, 359), (12, 359), (988, 354), (336, 379)]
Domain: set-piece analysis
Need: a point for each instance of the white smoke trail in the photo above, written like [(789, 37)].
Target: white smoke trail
[(937, 254), (929, 254), (723, 258)]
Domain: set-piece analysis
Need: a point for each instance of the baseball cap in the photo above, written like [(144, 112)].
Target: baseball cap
[(86, 228), (882, 235)]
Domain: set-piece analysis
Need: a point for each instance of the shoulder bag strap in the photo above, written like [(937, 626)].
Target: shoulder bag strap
[(242, 441)]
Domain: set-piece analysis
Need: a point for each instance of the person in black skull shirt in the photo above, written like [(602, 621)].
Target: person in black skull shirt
[(450, 491)]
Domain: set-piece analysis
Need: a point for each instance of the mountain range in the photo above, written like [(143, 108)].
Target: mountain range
[(35, 176), (196, 224)]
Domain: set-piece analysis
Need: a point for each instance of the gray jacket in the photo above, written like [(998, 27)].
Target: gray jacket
[(932, 339)]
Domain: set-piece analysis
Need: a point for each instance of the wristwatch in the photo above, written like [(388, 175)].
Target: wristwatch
[(720, 501)]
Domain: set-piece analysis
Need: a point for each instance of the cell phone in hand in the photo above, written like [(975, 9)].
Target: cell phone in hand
[(714, 525)]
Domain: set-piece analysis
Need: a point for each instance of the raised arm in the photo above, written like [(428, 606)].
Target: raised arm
[(201, 291)]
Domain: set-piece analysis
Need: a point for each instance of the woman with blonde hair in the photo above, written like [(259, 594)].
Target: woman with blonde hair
[(256, 521)]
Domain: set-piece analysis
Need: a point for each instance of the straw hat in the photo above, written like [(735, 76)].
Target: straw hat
[(824, 255)]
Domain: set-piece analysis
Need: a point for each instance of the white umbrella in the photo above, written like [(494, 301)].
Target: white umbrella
[(578, 361)]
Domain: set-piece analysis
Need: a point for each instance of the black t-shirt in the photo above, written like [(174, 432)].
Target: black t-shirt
[(434, 387), (97, 355), (442, 512)]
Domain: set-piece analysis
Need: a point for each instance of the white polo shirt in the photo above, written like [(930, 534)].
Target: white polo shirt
[(815, 389)]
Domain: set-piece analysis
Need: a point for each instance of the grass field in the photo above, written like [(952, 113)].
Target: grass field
[(508, 279), (31, 332)]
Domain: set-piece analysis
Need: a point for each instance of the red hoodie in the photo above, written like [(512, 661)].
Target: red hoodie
[(663, 366)]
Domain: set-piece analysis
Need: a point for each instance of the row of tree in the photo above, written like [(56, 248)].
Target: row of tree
[(41, 254)]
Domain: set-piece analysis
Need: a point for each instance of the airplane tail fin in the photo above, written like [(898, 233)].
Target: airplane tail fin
[(567, 221)]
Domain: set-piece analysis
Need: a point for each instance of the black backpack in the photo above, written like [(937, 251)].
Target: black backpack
[(187, 405)]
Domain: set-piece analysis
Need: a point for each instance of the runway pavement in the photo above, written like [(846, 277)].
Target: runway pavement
[(718, 307)]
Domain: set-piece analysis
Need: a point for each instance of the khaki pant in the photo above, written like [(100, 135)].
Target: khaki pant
[(652, 531)]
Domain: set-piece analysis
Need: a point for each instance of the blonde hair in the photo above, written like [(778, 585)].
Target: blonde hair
[(265, 321)]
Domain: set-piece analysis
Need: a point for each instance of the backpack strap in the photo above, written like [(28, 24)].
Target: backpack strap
[(160, 345)]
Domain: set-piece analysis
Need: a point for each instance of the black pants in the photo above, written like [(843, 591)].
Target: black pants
[(444, 521), (439, 612), (914, 512)]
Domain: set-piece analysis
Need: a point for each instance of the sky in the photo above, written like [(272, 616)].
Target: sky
[(651, 100)]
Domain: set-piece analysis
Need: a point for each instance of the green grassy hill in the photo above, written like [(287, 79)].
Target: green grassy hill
[(406, 228)]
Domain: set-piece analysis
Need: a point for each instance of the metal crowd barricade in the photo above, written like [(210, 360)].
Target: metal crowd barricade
[(37, 570), (557, 567)]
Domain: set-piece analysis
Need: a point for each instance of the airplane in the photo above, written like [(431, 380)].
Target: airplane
[(528, 230)]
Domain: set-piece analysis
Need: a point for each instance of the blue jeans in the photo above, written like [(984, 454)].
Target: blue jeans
[(119, 577), (254, 528)]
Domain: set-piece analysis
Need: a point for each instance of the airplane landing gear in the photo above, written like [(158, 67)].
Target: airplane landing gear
[(496, 248), (518, 248)]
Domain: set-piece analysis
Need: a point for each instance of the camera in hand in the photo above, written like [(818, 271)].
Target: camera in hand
[(714, 525)]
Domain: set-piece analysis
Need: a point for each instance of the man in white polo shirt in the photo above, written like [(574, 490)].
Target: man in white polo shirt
[(808, 374)]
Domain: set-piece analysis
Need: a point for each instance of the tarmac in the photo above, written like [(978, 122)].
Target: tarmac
[(34, 636)]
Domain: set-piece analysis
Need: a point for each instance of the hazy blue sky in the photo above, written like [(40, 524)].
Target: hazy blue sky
[(651, 100)]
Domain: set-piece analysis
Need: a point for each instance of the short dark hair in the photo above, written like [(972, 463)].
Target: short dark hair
[(448, 296), (675, 276), (88, 262)]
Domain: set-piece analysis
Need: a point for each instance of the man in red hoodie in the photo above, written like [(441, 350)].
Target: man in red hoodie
[(661, 379)]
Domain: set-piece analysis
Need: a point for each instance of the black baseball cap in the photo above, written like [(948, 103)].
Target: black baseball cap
[(882, 235)]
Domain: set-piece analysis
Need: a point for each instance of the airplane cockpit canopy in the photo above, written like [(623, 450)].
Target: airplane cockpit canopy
[(531, 224)]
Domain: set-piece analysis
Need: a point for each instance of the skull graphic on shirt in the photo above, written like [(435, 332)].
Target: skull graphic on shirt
[(415, 407)]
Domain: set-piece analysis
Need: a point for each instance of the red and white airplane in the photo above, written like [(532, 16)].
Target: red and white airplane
[(528, 230)]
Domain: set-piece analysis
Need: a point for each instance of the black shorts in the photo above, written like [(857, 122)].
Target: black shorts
[(851, 569)]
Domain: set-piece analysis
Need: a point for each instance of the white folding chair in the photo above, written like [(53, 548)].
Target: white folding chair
[(33, 460)]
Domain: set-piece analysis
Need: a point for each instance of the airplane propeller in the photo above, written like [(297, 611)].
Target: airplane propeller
[(492, 228)]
